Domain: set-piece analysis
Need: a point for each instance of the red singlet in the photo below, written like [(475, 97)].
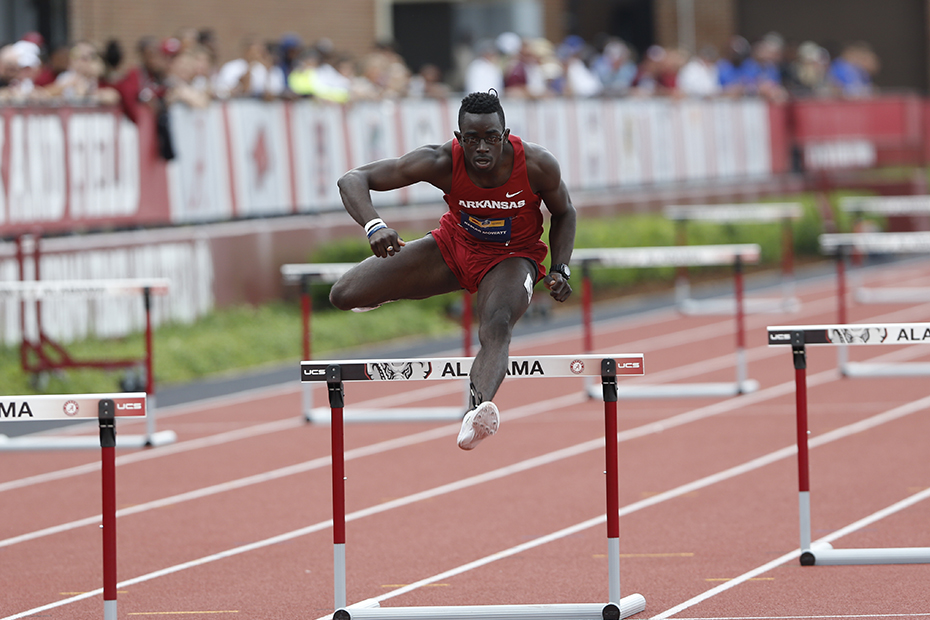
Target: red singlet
[(485, 226)]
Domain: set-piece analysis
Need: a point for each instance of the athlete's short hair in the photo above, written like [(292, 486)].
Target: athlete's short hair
[(482, 103)]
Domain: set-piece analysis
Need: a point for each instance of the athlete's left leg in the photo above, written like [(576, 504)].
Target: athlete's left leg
[(504, 294)]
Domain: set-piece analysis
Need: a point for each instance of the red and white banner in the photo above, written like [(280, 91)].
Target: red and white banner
[(72, 169)]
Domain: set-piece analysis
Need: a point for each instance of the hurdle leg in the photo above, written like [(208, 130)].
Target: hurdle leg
[(586, 322), (149, 369), (337, 403), (105, 413), (742, 373), (306, 312), (609, 385), (842, 353), (787, 264), (804, 486)]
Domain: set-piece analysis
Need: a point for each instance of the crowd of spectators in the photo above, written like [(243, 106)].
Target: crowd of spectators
[(184, 68)]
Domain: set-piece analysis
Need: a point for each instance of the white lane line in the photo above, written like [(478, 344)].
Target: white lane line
[(426, 392), (686, 417), (732, 472), (852, 527), (778, 455)]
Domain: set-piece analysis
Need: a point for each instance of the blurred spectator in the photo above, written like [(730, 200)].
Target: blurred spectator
[(56, 64), (525, 77), (760, 73), (314, 78), (20, 65), (669, 68), (484, 72), (252, 75), (700, 77), (187, 79), (187, 39), (646, 82), (289, 50), (579, 80), (728, 67), (807, 75), (428, 83), (615, 68), (9, 66), (851, 72), (112, 57), (82, 81), (144, 86), (385, 69)]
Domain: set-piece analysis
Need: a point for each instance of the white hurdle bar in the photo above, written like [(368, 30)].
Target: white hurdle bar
[(841, 246), (798, 337), (307, 274), (38, 290), (674, 256), (608, 367), (848, 244), (105, 408), (743, 213)]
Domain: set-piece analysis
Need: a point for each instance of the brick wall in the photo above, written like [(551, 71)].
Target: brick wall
[(350, 24), (715, 22)]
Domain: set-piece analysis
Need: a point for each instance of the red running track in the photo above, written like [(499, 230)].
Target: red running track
[(233, 521)]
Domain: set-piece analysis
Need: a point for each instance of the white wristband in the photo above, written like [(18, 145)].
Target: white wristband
[(372, 224)]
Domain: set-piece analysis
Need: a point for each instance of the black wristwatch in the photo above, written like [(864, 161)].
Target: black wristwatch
[(561, 269)]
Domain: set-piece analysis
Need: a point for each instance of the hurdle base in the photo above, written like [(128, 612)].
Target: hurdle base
[(628, 606), (84, 442), (679, 390), (727, 306), (321, 415), (911, 369), (889, 295), (823, 554)]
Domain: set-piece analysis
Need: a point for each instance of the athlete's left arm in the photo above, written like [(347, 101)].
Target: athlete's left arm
[(546, 178)]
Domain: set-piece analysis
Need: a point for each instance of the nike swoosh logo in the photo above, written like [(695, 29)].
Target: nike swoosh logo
[(509, 195)]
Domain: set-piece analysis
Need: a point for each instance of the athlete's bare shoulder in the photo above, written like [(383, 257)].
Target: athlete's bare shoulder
[(431, 163), (542, 167)]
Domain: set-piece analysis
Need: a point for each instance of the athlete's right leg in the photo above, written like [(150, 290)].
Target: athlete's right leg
[(418, 271)]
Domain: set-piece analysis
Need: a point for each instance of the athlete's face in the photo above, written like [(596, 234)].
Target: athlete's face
[(482, 137)]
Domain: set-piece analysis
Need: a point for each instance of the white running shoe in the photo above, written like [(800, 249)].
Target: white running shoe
[(479, 423)]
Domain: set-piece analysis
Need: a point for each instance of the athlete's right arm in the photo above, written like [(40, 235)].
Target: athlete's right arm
[(432, 164)]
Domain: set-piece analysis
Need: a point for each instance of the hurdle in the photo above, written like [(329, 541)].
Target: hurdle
[(841, 245), (885, 206), (608, 367), (748, 213), (38, 290), (307, 274), (799, 337), (106, 408), (673, 256)]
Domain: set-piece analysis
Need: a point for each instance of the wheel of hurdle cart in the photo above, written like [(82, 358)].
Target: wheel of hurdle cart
[(799, 337), (106, 408), (842, 246), (747, 213), (674, 256), (308, 274), (36, 291), (608, 367)]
